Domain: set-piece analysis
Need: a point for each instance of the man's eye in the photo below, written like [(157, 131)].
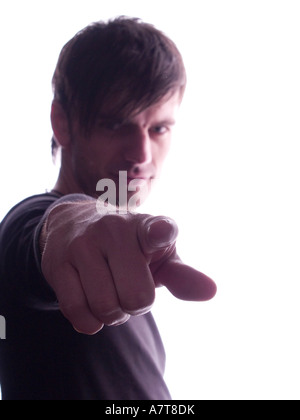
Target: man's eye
[(159, 129)]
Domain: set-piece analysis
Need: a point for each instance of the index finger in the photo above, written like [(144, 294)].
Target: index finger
[(184, 282)]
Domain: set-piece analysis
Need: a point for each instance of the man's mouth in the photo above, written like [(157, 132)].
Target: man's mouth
[(137, 180)]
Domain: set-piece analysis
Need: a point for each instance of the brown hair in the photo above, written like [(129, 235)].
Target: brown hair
[(111, 70)]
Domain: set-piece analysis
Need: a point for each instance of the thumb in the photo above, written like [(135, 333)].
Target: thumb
[(157, 235)]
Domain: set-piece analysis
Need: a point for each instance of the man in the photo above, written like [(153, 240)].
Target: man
[(78, 274)]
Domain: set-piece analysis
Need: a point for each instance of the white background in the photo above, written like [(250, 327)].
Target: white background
[(231, 183)]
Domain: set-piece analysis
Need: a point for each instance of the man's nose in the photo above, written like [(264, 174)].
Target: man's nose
[(139, 149)]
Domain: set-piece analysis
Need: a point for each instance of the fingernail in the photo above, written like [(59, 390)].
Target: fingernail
[(161, 232)]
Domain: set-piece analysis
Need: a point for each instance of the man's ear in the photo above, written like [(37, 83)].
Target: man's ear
[(60, 125)]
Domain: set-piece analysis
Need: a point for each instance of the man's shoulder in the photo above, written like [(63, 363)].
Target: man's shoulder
[(19, 252), (38, 200), (34, 202), (29, 208)]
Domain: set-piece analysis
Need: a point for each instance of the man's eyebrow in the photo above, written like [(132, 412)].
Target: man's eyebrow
[(156, 123), (168, 121)]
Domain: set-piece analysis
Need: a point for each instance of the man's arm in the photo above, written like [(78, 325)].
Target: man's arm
[(104, 267)]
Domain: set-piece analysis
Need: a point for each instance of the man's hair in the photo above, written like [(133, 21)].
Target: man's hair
[(112, 70)]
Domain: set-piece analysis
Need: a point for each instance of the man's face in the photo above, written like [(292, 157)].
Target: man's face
[(138, 146)]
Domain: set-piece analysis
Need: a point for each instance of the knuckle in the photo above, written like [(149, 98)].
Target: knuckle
[(106, 311), (71, 310), (101, 309), (80, 319), (138, 303)]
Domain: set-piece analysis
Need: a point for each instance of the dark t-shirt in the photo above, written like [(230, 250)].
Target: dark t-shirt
[(43, 357)]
